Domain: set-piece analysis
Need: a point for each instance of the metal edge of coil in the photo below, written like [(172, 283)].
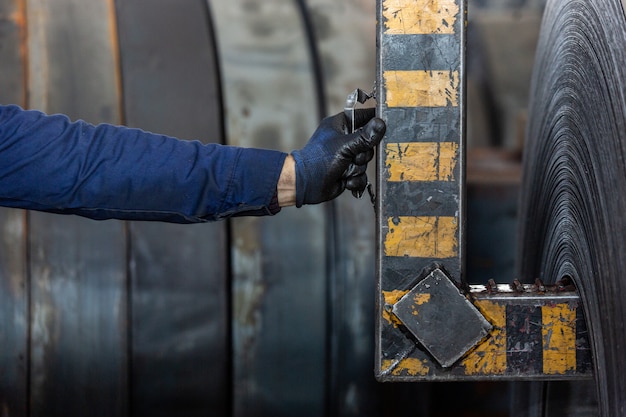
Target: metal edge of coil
[(574, 179)]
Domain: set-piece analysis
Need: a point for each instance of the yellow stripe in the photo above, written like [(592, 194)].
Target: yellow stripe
[(407, 17), (422, 237), (410, 366), (422, 161), (489, 357), (392, 297), (421, 88), (559, 339)]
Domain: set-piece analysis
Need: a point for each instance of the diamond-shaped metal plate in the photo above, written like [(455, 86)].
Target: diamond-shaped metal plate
[(441, 318)]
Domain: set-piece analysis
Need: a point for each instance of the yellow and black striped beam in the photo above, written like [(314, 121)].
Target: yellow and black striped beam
[(539, 336), (421, 163), (420, 214)]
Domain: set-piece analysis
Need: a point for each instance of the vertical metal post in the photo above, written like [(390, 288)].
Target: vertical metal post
[(420, 79)]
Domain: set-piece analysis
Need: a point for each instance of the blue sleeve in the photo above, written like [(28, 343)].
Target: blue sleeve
[(51, 164)]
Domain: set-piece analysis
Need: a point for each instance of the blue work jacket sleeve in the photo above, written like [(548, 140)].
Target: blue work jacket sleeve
[(51, 164)]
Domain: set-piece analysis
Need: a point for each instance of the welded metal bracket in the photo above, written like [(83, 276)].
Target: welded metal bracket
[(534, 332), (441, 318)]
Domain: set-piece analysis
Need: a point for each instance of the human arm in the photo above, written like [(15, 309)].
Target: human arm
[(52, 164), (333, 160), (49, 163)]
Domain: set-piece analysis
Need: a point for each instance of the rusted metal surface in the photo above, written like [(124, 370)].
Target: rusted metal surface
[(279, 264), (78, 267), (78, 290), (14, 313), (13, 52), (179, 285), (345, 35), (81, 81), (14, 306)]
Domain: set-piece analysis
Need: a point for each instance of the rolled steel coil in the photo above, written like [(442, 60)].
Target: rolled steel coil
[(573, 200)]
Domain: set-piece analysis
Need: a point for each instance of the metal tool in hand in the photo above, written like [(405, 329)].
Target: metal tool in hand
[(358, 96)]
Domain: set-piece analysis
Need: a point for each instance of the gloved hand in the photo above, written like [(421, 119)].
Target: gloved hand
[(334, 159)]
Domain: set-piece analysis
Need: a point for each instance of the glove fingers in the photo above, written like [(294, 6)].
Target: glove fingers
[(364, 139), (363, 115), (358, 183), (354, 170), (332, 161), (364, 157)]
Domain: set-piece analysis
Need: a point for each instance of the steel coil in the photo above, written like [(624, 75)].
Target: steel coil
[(572, 221)]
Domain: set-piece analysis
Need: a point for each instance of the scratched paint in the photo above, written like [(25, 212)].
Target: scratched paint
[(409, 17), (421, 299), (489, 357), (422, 88), (413, 92), (392, 297), (421, 161), (418, 300), (422, 237), (559, 339), (407, 366)]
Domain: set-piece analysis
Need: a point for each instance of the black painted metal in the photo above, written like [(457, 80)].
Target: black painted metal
[(440, 317)]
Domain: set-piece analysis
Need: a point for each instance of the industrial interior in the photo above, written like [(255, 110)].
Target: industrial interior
[(505, 304)]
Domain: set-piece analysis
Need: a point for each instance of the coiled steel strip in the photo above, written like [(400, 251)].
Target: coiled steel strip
[(573, 201)]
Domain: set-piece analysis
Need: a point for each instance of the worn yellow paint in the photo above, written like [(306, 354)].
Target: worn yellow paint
[(422, 237), (408, 17), (392, 297), (489, 357), (421, 161), (407, 366), (559, 339), (386, 364), (420, 299), (421, 88)]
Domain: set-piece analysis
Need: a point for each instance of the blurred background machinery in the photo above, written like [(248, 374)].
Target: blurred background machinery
[(254, 316)]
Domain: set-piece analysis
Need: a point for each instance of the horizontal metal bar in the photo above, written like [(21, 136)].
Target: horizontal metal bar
[(538, 333)]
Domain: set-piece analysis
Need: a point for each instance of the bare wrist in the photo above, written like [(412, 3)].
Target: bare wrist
[(286, 187)]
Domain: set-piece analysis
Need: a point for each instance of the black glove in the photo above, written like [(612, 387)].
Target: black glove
[(334, 159)]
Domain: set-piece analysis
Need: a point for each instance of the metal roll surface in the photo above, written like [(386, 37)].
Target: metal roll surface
[(572, 208)]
